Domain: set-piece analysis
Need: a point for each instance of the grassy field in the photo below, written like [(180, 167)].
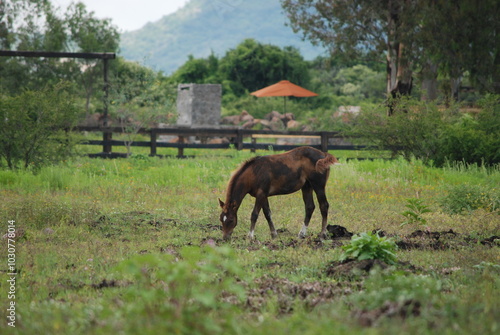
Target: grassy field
[(133, 246)]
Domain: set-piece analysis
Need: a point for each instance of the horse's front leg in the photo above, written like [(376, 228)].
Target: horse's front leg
[(253, 218), (267, 214), (307, 196)]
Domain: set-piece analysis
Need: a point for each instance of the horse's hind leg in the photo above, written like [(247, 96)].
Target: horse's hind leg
[(323, 206), (307, 196)]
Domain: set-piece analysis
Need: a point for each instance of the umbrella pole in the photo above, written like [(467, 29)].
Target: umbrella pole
[(284, 104)]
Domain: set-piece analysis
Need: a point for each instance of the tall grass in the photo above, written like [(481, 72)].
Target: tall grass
[(102, 247)]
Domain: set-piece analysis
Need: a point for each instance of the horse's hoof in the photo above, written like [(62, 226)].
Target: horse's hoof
[(323, 236)]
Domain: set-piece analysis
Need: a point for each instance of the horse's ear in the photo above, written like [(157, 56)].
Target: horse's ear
[(221, 204)]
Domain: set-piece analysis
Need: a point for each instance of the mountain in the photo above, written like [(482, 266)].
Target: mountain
[(205, 26)]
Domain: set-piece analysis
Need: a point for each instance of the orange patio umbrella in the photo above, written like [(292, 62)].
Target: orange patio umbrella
[(284, 89)]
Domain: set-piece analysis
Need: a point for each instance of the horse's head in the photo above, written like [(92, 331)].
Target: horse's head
[(228, 218)]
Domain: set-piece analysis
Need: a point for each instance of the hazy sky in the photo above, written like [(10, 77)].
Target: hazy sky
[(128, 15)]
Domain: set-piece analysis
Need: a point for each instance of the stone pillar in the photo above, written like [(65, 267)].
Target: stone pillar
[(199, 105)]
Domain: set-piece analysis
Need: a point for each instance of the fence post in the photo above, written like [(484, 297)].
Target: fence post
[(180, 149), (239, 139), (153, 142), (107, 136), (324, 141)]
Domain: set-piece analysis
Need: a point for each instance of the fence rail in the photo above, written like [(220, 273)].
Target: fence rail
[(237, 139)]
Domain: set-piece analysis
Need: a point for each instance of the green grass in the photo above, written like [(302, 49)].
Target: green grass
[(120, 245)]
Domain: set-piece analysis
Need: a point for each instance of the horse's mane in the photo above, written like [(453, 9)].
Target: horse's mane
[(237, 174)]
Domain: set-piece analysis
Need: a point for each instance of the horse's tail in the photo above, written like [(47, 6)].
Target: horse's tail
[(324, 163)]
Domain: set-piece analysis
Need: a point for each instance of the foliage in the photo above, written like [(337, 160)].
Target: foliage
[(423, 130), (415, 37), (184, 293), (398, 287), (474, 139), (413, 131), (41, 27), (140, 98), (35, 127), (252, 66), (467, 198), (248, 67), (370, 246), (466, 41), (414, 213)]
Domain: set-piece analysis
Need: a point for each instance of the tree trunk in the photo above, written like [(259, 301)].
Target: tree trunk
[(428, 79), (399, 77), (455, 87)]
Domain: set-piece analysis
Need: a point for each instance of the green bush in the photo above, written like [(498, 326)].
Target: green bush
[(370, 246), (466, 198), (32, 127), (425, 131), (473, 139)]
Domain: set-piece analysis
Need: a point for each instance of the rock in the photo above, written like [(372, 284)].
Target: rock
[(292, 124)]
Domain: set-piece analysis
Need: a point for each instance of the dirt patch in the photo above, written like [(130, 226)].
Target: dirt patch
[(117, 224), (491, 241), (390, 309), (441, 240), (351, 267), (337, 231), (105, 284), (286, 292)]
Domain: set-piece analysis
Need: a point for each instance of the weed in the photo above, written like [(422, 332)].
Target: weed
[(414, 213)]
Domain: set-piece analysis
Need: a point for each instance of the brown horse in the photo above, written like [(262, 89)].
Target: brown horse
[(303, 168)]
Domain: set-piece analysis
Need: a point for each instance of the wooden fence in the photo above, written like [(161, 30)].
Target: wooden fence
[(237, 139)]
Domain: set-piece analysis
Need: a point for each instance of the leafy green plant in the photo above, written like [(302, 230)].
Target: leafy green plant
[(466, 198), (414, 213), (370, 246), (31, 127)]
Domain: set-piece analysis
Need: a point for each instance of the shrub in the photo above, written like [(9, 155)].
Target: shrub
[(370, 246), (31, 126), (422, 130), (466, 198)]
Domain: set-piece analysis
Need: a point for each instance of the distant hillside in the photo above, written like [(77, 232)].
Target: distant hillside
[(205, 26)]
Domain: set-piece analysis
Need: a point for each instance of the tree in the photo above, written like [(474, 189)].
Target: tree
[(198, 70), (361, 29), (86, 33), (37, 25), (429, 37), (463, 37), (252, 66), (140, 97), (248, 67), (32, 126)]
